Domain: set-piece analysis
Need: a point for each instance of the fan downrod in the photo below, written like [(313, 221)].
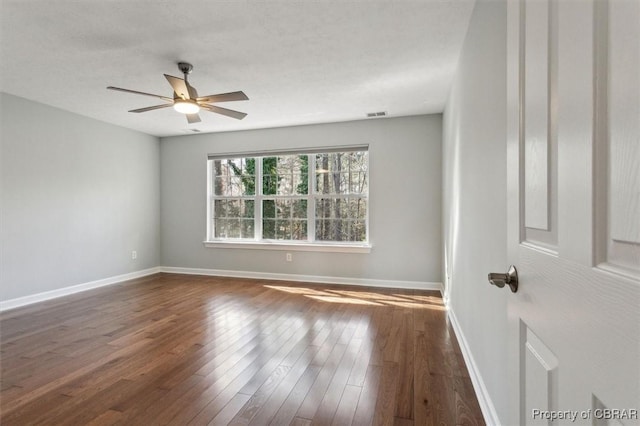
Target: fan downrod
[(185, 67)]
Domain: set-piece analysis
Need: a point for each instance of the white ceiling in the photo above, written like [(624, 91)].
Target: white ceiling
[(299, 62)]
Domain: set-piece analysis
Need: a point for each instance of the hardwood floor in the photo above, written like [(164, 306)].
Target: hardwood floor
[(176, 349)]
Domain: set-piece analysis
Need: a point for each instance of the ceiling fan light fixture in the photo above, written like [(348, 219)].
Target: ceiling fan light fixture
[(186, 107), (185, 98)]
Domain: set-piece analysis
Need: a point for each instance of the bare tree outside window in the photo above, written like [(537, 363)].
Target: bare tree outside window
[(341, 180), (234, 180)]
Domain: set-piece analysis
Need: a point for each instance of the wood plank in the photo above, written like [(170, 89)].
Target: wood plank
[(405, 359), (366, 409), (317, 392), (347, 407), (385, 403), (298, 421), (230, 410), (287, 411), (421, 376), (109, 417), (275, 400), (258, 399)]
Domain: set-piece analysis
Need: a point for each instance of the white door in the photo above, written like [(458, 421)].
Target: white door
[(574, 211)]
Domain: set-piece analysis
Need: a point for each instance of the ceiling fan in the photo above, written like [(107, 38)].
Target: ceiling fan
[(185, 98)]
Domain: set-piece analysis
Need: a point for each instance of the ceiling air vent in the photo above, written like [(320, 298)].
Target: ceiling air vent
[(376, 114)]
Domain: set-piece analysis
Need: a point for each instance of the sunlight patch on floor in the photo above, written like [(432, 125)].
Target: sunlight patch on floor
[(350, 300), (355, 297)]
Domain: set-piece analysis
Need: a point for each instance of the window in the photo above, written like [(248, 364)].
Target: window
[(291, 197)]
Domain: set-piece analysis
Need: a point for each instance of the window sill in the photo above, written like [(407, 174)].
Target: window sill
[(290, 246)]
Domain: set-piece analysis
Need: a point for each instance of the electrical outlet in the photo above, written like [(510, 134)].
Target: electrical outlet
[(289, 257), (134, 255)]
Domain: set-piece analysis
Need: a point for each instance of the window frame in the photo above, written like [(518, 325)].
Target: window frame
[(310, 244)]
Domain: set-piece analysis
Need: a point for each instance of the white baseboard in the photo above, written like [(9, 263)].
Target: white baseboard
[(486, 404), (47, 295), (413, 285)]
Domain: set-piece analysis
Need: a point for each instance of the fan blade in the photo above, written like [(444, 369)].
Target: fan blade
[(139, 93), (193, 118), (151, 108), (224, 97), (228, 112), (179, 86), (192, 90)]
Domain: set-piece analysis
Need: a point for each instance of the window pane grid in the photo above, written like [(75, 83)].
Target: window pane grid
[(233, 218), (341, 173), (284, 219), (283, 207), (285, 175), (234, 176)]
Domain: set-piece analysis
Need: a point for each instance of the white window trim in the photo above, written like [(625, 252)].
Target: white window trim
[(288, 245)]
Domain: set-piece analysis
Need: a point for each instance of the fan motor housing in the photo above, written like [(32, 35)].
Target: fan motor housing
[(185, 67)]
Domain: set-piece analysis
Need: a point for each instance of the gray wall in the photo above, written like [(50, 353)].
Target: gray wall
[(76, 197), (405, 200), (474, 189)]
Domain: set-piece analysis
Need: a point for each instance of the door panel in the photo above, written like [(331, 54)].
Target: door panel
[(618, 125), (538, 63), (574, 324), (540, 367), (536, 112)]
